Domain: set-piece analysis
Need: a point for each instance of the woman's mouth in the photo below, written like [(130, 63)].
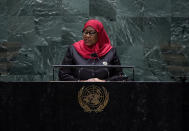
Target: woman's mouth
[(86, 41)]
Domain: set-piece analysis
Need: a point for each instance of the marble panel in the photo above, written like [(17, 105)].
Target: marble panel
[(157, 8), (3, 7), (129, 43), (20, 7), (179, 46), (130, 8), (180, 8), (156, 35), (103, 8)]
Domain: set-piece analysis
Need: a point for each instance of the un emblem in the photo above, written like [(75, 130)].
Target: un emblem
[(93, 98)]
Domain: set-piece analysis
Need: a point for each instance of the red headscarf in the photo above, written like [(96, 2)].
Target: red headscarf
[(101, 47)]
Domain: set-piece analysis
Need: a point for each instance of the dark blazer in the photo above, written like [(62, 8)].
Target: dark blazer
[(73, 74)]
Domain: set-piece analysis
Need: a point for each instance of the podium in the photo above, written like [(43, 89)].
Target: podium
[(57, 106)]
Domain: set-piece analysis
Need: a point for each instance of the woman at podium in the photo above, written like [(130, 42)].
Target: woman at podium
[(94, 49)]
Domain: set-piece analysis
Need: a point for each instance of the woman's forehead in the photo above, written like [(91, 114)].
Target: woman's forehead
[(90, 28)]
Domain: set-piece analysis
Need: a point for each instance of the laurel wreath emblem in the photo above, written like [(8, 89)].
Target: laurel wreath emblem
[(93, 98)]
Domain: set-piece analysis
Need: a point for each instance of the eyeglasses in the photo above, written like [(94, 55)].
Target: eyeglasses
[(90, 33)]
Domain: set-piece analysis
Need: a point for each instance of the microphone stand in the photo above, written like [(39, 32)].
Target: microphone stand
[(94, 55)]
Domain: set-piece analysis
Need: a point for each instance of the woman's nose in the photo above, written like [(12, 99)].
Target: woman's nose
[(87, 35)]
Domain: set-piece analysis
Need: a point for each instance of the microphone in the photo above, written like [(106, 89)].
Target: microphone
[(94, 55)]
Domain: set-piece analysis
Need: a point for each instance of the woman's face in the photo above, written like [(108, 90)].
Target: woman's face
[(90, 36)]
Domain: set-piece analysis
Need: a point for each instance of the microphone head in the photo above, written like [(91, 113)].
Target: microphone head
[(94, 55)]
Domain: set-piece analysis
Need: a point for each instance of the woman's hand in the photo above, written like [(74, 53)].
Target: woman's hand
[(94, 80)]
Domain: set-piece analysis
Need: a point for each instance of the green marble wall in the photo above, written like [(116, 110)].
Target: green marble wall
[(152, 35)]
